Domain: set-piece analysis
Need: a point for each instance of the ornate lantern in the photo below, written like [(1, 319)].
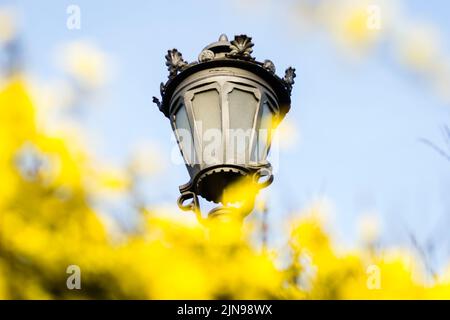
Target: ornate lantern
[(222, 109)]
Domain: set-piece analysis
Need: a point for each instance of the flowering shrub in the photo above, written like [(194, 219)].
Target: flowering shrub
[(47, 223)]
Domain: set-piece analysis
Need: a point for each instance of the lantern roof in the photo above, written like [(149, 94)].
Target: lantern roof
[(224, 53)]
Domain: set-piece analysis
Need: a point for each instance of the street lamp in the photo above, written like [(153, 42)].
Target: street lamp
[(222, 109)]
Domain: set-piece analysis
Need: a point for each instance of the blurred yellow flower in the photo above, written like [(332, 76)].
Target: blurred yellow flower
[(285, 134), (357, 24), (86, 63), (418, 47), (8, 28), (369, 227), (147, 159)]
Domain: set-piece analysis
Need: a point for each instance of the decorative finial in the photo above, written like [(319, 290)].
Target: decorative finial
[(241, 47), (206, 55), (223, 38), (268, 65), (289, 77), (174, 62)]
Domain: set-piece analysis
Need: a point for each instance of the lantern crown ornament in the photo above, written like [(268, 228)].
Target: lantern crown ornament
[(222, 109)]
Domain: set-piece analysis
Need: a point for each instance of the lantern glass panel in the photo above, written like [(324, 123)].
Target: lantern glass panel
[(183, 133), (207, 114), (208, 122), (264, 131), (242, 106)]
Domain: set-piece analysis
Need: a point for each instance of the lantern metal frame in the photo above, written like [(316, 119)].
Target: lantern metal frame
[(223, 66)]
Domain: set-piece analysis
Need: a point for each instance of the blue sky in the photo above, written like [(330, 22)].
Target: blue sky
[(359, 123)]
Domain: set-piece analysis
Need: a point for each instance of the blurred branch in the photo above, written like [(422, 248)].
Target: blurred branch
[(435, 147), (424, 254)]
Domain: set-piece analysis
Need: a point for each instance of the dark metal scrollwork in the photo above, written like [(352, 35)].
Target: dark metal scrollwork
[(241, 47), (174, 62)]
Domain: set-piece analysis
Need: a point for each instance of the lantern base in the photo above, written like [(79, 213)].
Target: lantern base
[(211, 182)]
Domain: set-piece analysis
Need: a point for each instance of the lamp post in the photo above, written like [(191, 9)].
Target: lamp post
[(222, 109)]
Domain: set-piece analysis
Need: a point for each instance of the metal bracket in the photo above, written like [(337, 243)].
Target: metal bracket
[(263, 172)]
